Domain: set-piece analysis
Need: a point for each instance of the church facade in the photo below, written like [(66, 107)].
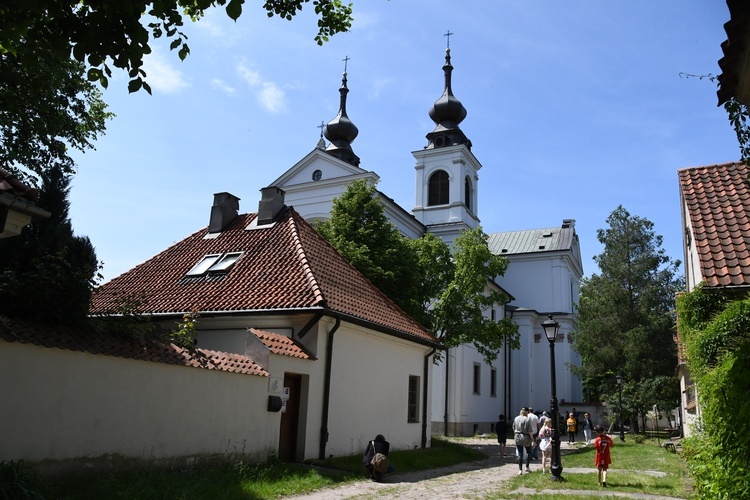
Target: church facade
[(542, 279)]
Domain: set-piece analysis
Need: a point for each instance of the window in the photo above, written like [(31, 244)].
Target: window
[(467, 193), (412, 408), (493, 382), (438, 188), (477, 373), (215, 263)]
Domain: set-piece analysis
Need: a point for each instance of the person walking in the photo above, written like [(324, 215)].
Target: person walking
[(603, 459), (587, 427), (571, 425), (501, 427), (536, 424), (545, 441), (523, 435)]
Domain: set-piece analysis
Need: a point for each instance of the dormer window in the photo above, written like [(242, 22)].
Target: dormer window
[(215, 263)]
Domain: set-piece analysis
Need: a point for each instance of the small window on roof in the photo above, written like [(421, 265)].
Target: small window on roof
[(202, 266), (225, 262), (214, 263)]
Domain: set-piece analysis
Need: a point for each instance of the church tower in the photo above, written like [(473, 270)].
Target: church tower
[(447, 179)]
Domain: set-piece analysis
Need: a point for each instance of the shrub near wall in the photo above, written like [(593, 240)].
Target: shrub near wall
[(715, 328)]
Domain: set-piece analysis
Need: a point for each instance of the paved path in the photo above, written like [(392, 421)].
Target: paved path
[(469, 480)]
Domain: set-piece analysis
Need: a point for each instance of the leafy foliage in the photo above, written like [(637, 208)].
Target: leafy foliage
[(738, 117), (47, 273), (103, 35), (713, 326), (446, 290), (186, 333), (47, 108), (18, 480), (625, 314)]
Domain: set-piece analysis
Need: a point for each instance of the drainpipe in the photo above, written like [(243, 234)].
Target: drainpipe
[(327, 391), (445, 412), (424, 396)]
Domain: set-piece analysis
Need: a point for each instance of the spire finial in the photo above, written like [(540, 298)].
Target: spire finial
[(321, 127), (448, 36), (346, 63)]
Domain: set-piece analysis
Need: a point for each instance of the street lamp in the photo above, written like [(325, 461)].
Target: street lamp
[(551, 328), (619, 385)]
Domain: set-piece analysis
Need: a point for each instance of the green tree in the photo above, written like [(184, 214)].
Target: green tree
[(47, 273), (625, 318), (47, 108), (448, 290), (118, 34), (361, 232), (459, 310)]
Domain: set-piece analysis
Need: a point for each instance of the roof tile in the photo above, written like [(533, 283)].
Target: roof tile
[(281, 344), (717, 199), (284, 267)]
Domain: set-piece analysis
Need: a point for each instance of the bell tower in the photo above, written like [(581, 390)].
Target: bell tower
[(447, 171)]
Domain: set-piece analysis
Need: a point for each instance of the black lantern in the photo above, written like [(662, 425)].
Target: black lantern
[(551, 327)]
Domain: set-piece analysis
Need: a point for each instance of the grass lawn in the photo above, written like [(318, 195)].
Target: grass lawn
[(626, 473), (248, 481)]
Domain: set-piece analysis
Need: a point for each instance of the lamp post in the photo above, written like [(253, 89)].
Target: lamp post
[(551, 328), (619, 385)]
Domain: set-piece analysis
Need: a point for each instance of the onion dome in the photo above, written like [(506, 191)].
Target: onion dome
[(341, 132), (447, 113)]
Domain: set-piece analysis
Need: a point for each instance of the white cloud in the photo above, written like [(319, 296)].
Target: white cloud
[(269, 95), (223, 86), (161, 75)]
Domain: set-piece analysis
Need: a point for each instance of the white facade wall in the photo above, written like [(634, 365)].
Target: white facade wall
[(60, 404)]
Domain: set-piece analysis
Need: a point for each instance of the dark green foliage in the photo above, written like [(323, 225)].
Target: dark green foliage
[(47, 108), (716, 333), (18, 481), (103, 35), (738, 117), (47, 273), (360, 231), (625, 315)]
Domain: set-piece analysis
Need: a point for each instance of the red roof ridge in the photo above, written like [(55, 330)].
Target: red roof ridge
[(302, 255)]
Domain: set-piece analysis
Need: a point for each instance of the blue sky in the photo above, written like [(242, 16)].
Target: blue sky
[(573, 109)]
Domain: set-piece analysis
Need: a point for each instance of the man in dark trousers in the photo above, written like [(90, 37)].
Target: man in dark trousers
[(378, 445)]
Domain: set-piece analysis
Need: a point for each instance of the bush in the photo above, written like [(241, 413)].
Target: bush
[(19, 481)]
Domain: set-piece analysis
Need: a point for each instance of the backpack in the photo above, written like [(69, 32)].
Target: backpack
[(379, 462)]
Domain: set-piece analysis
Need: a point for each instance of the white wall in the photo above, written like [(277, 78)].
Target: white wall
[(60, 404)]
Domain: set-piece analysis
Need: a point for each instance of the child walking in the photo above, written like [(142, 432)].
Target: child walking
[(602, 445)]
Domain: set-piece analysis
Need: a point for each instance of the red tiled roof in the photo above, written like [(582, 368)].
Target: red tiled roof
[(734, 80), (281, 344), (718, 205), (144, 350), (11, 185), (285, 267)]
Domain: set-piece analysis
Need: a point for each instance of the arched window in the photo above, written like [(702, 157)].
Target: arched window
[(467, 193), (438, 188)]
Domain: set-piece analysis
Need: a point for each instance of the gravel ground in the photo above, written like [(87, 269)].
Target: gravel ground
[(470, 480)]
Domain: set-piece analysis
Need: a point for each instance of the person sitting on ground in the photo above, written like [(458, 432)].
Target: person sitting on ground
[(602, 445), (375, 459)]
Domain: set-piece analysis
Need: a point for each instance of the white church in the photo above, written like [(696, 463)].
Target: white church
[(541, 280)]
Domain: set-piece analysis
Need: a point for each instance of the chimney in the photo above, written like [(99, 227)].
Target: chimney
[(569, 223), (225, 208), (271, 205)]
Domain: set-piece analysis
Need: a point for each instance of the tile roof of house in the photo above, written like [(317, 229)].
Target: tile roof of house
[(717, 200), (145, 350), (281, 344), (10, 185), (284, 267), (734, 80), (532, 241)]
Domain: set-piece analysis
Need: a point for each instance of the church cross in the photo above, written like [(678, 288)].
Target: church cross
[(448, 35), (321, 127), (346, 62)]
